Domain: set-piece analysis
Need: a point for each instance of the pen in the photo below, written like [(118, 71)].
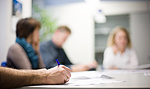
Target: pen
[(57, 62)]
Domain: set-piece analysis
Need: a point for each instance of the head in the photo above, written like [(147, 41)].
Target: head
[(28, 28), (60, 35), (119, 36)]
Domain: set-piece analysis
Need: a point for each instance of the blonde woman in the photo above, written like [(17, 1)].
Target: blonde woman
[(119, 54)]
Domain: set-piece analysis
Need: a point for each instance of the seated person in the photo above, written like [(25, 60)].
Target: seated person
[(24, 54), (52, 50), (119, 54)]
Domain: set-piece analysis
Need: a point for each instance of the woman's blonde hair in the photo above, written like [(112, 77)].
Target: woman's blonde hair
[(111, 38)]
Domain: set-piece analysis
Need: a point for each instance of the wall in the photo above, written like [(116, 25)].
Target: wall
[(140, 34), (7, 36), (3, 29)]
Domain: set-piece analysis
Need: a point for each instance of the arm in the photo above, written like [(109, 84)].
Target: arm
[(41, 63), (84, 67), (77, 68), (35, 45), (66, 61), (133, 63), (18, 57), (12, 78), (48, 56), (108, 58)]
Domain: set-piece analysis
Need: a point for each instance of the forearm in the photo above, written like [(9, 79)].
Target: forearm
[(11, 78), (41, 63)]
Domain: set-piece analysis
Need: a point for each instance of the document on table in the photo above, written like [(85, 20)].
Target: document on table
[(89, 78)]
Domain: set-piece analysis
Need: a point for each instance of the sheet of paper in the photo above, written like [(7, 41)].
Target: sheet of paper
[(85, 74), (89, 78), (147, 74), (91, 81)]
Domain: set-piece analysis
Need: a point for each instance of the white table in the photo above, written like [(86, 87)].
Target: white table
[(136, 80)]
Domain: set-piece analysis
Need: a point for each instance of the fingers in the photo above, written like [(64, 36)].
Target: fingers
[(67, 70), (92, 65), (65, 76), (59, 75), (66, 79)]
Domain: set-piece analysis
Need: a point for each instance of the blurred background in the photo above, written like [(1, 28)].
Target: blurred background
[(90, 21)]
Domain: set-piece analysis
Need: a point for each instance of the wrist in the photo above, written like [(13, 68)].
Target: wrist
[(44, 76), (37, 52), (40, 77)]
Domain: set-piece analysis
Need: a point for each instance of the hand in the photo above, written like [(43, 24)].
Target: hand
[(81, 67), (115, 49), (114, 68), (58, 75), (92, 64), (35, 39), (84, 67), (35, 46)]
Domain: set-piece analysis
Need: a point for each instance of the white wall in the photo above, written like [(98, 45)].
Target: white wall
[(7, 36), (140, 34), (80, 45), (3, 29)]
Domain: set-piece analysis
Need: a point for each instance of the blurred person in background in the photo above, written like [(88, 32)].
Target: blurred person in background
[(52, 50), (24, 54), (119, 54)]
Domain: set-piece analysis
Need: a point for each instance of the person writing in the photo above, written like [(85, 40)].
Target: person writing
[(24, 54), (13, 78), (52, 50), (119, 54)]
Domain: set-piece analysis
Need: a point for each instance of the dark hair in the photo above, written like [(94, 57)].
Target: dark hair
[(26, 26), (64, 28)]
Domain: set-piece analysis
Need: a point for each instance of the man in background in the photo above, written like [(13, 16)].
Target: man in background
[(52, 50)]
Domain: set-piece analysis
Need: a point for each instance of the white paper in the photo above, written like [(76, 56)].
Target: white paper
[(89, 78), (147, 74), (85, 74)]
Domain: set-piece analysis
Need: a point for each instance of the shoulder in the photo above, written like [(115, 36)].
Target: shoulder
[(130, 49), (45, 44), (46, 47), (108, 49), (15, 50), (15, 47)]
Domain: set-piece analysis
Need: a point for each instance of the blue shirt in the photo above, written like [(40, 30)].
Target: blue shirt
[(50, 52)]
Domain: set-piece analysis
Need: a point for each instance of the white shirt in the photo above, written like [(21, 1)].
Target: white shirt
[(126, 60)]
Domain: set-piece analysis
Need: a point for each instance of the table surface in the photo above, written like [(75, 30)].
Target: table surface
[(131, 80)]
